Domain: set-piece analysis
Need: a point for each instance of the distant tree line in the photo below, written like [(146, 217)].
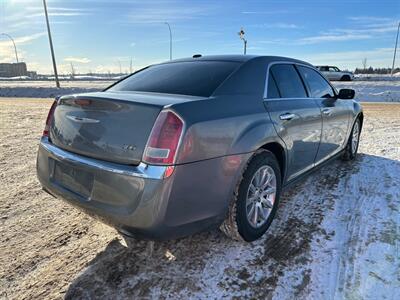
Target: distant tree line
[(372, 70)]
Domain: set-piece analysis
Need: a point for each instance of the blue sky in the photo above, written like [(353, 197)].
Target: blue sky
[(98, 35)]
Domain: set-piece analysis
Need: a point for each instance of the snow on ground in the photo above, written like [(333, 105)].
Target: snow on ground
[(336, 234), (373, 91), (47, 89), (376, 89), (378, 77)]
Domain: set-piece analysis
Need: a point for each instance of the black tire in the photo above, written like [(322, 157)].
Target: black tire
[(236, 225), (345, 78), (349, 152)]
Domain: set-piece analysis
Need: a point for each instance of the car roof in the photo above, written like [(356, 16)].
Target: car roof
[(238, 58)]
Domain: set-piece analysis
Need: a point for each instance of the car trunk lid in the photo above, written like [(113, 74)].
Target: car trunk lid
[(110, 126)]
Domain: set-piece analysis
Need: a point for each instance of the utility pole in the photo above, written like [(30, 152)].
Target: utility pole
[(120, 67), (130, 67), (15, 48), (170, 40), (51, 45), (395, 49), (241, 35)]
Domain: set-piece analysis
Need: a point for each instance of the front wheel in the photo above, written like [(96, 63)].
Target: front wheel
[(351, 149), (255, 200)]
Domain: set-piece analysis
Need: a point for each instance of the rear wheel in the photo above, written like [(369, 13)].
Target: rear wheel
[(351, 149), (345, 78), (256, 199)]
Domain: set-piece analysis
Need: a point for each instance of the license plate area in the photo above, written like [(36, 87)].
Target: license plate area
[(73, 179)]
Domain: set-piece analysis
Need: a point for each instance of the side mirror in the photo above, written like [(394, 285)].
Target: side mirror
[(346, 94)]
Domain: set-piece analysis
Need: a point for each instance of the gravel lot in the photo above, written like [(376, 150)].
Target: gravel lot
[(337, 234)]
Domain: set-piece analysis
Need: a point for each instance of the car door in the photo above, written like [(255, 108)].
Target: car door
[(325, 72), (334, 73), (297, 118), (335, 113)]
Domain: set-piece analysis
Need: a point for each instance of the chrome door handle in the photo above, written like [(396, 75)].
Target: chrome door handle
[(326, 111), (287, 116)]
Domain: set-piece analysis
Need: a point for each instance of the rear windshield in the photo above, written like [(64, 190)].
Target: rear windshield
[(199, 78)]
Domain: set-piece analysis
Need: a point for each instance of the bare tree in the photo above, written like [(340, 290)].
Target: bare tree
[(72, 71), (364, 63)]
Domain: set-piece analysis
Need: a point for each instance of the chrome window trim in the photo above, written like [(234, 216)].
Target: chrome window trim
[(142, 170), (265, 95)]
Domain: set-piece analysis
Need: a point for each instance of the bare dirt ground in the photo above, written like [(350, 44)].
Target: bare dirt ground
[(336, 235)]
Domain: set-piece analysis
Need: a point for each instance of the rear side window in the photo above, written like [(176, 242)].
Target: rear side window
[(318, 86), (199, 78), (288, 81), (272, 88)]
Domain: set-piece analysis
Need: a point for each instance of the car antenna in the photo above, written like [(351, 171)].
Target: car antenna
[(196, 55)]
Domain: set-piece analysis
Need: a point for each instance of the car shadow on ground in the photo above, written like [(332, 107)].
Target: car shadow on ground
[(210, 265)]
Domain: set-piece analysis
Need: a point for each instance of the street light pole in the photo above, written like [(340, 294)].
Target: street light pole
[(15, 48), (241, 35), (170, 40), (395, 49), (51, 45)]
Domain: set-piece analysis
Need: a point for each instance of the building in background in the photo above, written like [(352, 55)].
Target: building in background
[(32, 74), (13, 69)]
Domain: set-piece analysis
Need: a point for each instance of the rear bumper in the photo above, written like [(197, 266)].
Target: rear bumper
[(138, 200)]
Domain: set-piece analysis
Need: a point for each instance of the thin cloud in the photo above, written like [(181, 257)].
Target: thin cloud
[(267, 12), (59, 9), (279, 25), (7, 53), (363, 29), (155, 14), (30, 16), (275, 41), (23, 39), (381, 56), (57, 14), (81, 60), (363, 19), (333, 38), (367, 29)]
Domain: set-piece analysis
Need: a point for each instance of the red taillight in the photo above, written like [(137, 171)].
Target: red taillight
[(49, 119), (164, 139)]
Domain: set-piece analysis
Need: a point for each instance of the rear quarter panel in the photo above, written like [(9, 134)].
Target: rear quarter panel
[(355, 111), (224, 125)]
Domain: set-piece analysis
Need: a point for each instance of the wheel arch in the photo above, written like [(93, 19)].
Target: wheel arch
[(279, 151), (361, 117), (345, 77)]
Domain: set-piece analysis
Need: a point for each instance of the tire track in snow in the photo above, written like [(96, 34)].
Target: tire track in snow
[(356, 262)]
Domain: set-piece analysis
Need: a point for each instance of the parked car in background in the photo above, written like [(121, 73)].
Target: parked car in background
[(334, 73), (195, 143)]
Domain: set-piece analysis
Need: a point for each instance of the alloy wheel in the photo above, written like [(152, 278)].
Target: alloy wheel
[(261, 196), (355, 137)]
